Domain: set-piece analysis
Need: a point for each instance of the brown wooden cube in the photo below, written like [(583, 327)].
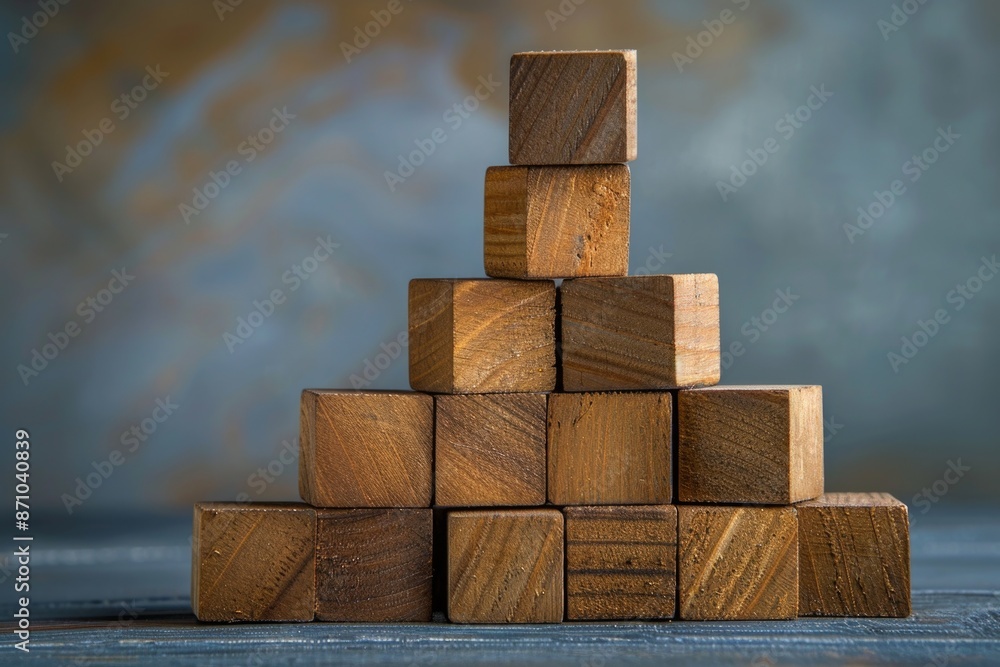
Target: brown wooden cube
[(482, 336), (505, 566), (737, 563), (557, 222), (573, 107), (374, 565), (854, 556), (253, 562), (621, 562), (489, 449), (366, 448), (750, 444), (640, 332), (610, 448)]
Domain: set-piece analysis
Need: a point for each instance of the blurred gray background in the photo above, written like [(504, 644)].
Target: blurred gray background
[(716, 80)]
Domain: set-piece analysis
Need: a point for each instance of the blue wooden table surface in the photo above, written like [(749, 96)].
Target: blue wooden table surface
[(116, 592)]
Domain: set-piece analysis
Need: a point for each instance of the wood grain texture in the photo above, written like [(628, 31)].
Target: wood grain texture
[(505, 566), (374, 565), (621, 562), (610, 448), (640, 332), (366, 448), (556, 222), (253, 562), (482, 336), (854, 556), (489, 449), (750, 444), (737, 563), (573, 107)]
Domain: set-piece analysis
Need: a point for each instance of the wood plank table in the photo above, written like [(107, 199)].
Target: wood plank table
[(115, 592)]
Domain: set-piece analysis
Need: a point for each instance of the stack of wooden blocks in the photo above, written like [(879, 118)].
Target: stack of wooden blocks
[(565, 455)]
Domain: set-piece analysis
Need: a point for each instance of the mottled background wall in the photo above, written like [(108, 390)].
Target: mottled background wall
[(223, 73)]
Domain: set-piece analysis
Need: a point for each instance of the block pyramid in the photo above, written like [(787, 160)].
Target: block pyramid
[(566, 452)]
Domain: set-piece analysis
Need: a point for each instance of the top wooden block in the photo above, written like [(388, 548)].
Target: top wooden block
[(573, 107)]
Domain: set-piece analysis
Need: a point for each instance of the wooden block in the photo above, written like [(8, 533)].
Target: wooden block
[(366, 448), (505, 566), (489, 449), (253, 562), (572, 107), (750, 444), (610, 449), (854, 556), (640, 332), (482, 336), (557, 222), (374, 565), (737, 563), (440, 583), (621, 562)]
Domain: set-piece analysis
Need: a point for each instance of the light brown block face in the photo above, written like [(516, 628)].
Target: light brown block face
[(482, 336), (737, 563), (505, 566), (374, 565), (854, 556), (253, 562), (490, 449), (621, 562), (640, 332), (573, 107), (750, 444), (557, 222), (610, 449), (366, 448)]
